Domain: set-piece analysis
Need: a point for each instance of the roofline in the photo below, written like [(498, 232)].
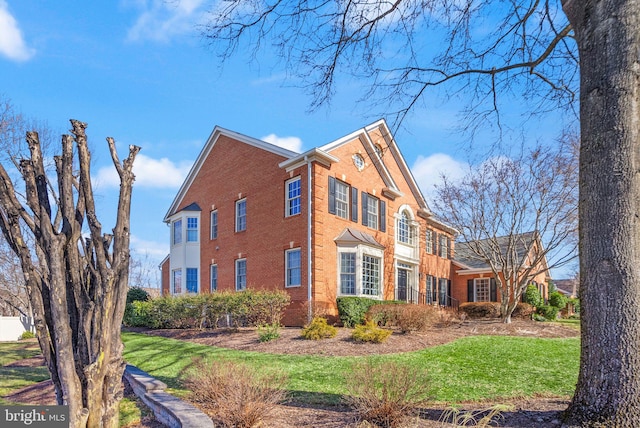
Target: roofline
[(204, 153), (313, 155)]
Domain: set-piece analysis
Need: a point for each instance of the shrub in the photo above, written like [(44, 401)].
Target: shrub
[(27, 335), (532, 296), (481, 309), (548, 312), (474, 418), (352, 310), (138, 314), (523, 310), (386, 396), (319, 329), (416, 318), (137, 294), (235, 395), (385, 314), (266, 307), (268, 332), (558, 300), (370, 332)]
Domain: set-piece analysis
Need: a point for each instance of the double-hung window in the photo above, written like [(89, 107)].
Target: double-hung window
[(241, 215), (342, 199), (348, 273), (293, 197), (214, 224), (176, 281), (192, 280), (241, 274), (405, 229), (444, 246), (214, 278), (429, 241), (177, 232), (293, 268), (360, 271), (192, 229)]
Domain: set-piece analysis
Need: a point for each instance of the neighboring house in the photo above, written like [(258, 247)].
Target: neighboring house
[(344, 219), (473, 279)]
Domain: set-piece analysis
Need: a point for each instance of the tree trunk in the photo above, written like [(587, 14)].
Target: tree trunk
[(77, 286), (608, 389)]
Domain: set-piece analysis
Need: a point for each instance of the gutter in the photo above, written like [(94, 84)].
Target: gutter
[(309, 246)]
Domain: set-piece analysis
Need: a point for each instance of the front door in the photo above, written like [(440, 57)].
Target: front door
[(403, 276)]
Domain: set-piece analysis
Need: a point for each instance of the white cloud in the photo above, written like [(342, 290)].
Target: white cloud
[(428, 171), (290, 143), (154, 251), (149, 172), (161, 20), (12, 44)]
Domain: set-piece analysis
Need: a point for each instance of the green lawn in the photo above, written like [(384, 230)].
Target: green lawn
[(14, 378), (474, 368)]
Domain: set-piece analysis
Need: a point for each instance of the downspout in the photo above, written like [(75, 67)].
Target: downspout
[(309, 246)]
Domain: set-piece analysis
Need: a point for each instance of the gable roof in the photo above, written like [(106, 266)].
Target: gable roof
[(466, 258), (364, 135), (204, 153)]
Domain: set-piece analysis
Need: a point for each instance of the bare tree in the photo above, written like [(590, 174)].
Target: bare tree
[(76, 284), (519, 216), (14, 300), (491, 50)]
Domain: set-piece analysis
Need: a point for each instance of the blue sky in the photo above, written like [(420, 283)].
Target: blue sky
[(138, 70)]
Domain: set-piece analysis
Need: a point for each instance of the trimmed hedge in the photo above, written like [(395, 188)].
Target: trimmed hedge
[(249, 308), (353, 310), (492, 310)]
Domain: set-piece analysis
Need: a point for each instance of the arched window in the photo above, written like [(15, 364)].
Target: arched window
[(404, 228)]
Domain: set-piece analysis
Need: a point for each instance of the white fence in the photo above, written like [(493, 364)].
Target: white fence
[(11, 328)]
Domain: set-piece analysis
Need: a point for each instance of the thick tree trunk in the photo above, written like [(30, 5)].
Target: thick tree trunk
[(608, 37), (77, 286)]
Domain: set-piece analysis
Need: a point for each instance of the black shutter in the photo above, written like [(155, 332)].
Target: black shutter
[(450, 302), (365, 206), (332, 195), (493, 292), (354, 204), (383, 216), (449, 248), (470, 290)]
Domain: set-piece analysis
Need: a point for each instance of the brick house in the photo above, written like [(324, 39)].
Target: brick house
[(344, 219), (474, 281)]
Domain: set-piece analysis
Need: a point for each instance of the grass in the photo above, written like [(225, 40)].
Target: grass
[(14, 378), (474, 368)]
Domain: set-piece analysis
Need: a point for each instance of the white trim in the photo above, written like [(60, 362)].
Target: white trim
[(206, 150), (235, 276), (211, 237), (238, 202), (211, 266), (360, 250), (287, 199), (286, 267)]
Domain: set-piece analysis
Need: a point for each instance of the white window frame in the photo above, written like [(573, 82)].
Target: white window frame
[(373, 205), (241, 218), (295, 201), (443, 245), (481, 282), (213, 224), (192, 229), (241, 286), (361, 251), (288, 268), (428, 239), (343, 191), (176, 232), (186, 281), (213, 285), (176, 274)]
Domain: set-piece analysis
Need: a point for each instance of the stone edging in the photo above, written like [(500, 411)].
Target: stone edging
[(168, 409)]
